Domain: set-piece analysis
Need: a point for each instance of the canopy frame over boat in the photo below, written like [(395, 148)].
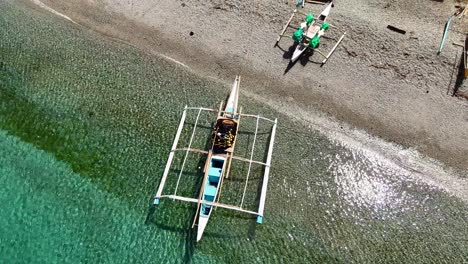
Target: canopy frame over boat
[(309, 32), (218, 162)]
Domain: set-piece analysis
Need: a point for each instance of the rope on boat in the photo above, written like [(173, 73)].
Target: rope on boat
[(250, 163), (187, 152)]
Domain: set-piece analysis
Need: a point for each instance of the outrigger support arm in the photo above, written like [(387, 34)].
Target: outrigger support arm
[(187, 152), (193, 200), (320, 52), (261, 205), (285, 27), (171, 157), (250, 163), (314, 2), (333, 49)]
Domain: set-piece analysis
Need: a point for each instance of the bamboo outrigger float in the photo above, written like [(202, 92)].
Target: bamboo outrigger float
[(218, 162), (309, 32)]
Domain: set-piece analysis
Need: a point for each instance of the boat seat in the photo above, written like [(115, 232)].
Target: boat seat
[(209, 198), (215, 172), (213, 180), (210, 192)]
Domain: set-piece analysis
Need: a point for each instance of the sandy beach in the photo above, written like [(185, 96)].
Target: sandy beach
[(392, 85)]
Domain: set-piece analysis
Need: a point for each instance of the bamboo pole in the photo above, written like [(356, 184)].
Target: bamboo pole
[(201, 108), (261, 205), (250, 164), (225, 206), (234, 144), (257, 116), (285, 27), (320, 52), (247, 160), (187, 152), (171, 157), (333, 49), (233, 157)]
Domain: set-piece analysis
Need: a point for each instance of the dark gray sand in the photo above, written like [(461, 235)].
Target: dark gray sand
[(389, 84)]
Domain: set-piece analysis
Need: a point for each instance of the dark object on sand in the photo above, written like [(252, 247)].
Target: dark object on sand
[(461, 11), (392, 28), (462, 70)]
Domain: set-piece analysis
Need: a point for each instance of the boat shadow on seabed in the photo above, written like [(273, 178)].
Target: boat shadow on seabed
[(459, 78), (189, 243), (190, 233)]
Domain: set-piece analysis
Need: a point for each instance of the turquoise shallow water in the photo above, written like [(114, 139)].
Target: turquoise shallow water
[(86, 125)]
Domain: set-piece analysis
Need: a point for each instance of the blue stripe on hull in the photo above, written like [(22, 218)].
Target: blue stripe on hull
[(211, 187)]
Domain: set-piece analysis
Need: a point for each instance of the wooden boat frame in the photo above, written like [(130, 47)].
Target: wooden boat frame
[(288, 25), (229, 157)]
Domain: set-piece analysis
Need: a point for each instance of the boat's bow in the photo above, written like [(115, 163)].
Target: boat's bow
[(231, 104)]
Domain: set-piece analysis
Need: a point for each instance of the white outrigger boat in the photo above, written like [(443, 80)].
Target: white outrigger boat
[(218, 162), (309, 32)]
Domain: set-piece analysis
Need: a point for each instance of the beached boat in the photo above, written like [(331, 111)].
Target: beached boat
[(309, 33), (218, 162), (311, 30)]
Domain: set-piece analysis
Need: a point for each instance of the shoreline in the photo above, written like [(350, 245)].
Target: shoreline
[(408, 118), (87, 126)]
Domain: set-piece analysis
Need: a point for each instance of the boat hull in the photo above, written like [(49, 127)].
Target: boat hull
[(224, 136), (300, 48), (202, 222)]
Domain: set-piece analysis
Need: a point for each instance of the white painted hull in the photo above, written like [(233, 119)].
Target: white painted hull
[(230, 112), (231, 104), (301, 47), (202, 222)]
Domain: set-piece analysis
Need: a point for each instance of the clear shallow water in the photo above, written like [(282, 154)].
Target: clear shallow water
[(86, 126)]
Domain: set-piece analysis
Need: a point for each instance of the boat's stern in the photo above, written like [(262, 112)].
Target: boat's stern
[(210, 191), (202, 222)]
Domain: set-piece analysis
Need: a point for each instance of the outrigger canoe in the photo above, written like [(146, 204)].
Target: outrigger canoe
[(218, 161), (223, 143)]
